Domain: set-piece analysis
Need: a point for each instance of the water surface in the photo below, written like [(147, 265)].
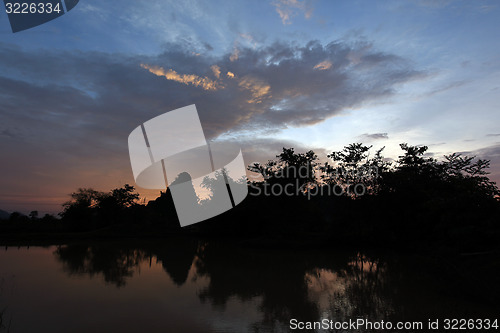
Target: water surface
[(200, 286)]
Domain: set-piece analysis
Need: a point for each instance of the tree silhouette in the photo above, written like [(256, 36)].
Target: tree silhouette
[(416, 199), (297, 169), (89, 208), (353, 167)]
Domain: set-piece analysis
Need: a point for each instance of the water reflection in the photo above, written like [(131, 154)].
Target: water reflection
[(114, 264), (272, 286), (117, 262)]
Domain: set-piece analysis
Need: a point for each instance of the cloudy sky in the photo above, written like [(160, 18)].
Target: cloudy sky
[(308, 74)]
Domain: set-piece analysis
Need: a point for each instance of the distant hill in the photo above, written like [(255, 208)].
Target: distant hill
[(4, 215)]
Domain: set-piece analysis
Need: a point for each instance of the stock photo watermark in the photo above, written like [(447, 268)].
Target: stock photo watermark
[(308, 181), (171, 151), (27, 14)]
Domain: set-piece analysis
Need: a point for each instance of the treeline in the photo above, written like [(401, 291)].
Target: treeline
[(355, 198), (361, 199)]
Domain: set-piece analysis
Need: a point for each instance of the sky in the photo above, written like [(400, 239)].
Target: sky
[(263, 74)]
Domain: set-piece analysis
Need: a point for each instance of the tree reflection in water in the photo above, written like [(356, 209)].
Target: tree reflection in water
[(117, 262), (358, 288), (307, 285), (114, 263), (304, 285)]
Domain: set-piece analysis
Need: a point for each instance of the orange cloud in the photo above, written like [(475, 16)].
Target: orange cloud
[(195, 80), (286, 9), (216, 70), (324, 65), (258, 88), (235, 55)]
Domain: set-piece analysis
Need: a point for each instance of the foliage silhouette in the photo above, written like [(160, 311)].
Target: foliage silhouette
[(90, 209), (416, 200), (297, 169)]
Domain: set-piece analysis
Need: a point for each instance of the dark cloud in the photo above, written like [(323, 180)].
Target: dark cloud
[(491, 153), (447, 87), (261, 150), (8, 133), (273, 86), (497, 134), (208, 47), (374, 136), (65, 116)]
